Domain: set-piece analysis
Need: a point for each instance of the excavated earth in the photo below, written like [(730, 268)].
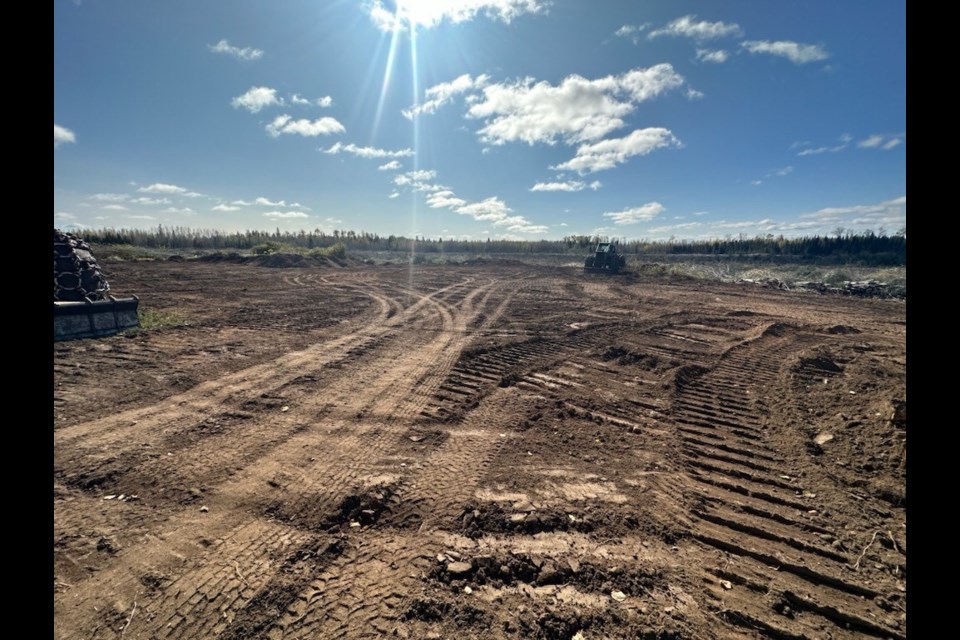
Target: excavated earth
[(483, 451)]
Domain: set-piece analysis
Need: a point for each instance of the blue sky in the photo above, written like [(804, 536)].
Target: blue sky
[(482, 118)]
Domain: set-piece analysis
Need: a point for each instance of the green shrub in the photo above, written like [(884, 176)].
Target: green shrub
[(338, 250), (267, 248)]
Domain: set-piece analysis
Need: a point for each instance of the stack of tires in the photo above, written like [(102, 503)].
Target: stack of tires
[(76, 274)]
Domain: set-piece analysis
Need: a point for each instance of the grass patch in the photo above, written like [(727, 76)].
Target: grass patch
[(122, 253), (151, 319)]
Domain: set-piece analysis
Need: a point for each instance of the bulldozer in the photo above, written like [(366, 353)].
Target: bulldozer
[(82, 304), (605, 259)]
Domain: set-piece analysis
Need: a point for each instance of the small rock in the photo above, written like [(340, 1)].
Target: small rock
[(668, 609), (726, 584), (619, 596), (823, 438), (204, 509), (518, 517), (284, 409), (456, 569), (110, 497), (467, 590), (354, 524)]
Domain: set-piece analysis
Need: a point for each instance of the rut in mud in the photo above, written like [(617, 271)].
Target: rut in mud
[(492, 451)]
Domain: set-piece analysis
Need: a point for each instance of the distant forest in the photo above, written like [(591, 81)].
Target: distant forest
[(867, 247)]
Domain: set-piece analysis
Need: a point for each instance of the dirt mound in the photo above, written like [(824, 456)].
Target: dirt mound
[(842, 329), (281, 261), (819, 364), (686, 374), (646, 361), (219, 256)]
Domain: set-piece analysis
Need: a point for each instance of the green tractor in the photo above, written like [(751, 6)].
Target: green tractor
[(605, 259)]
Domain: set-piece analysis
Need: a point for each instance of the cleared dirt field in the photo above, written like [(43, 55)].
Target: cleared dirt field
[(485, 451)]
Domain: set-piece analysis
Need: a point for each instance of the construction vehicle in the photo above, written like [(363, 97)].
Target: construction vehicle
[(605, 259), (82, 304)]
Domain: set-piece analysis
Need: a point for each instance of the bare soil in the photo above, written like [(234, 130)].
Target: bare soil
[(480, 451)]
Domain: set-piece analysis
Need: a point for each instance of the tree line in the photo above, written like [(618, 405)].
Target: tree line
[(868, 246)]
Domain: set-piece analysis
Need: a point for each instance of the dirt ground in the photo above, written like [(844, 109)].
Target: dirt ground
[(484, 451)]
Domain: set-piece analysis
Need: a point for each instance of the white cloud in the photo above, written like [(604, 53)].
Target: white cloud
[(643, 213), (325, 101), (393, 165), (187, 211), (63, 215), (897, 207), (700, 213), (143, 217), (819, 150), (284, 215), (881, 141), (245, 53), (444, 198), (418, 180), (693, 94), (783, 172), (577, 110), (492, 209), (110, 197), (631, 31), (319, 127), (192, 194), (444, 93), (419, 13), (845, 140), (794, 51), (267, 203), (368, 152), (160, 187), (225, 207), (689, 27), (717, 56), (257, 98), (62, 135), (154, 201), (756, 183), (115, 207), (607, 154), (241, 203), (567, 185), (395, 194)]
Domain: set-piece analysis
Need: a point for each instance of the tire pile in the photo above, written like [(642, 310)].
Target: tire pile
[(76, 274)]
